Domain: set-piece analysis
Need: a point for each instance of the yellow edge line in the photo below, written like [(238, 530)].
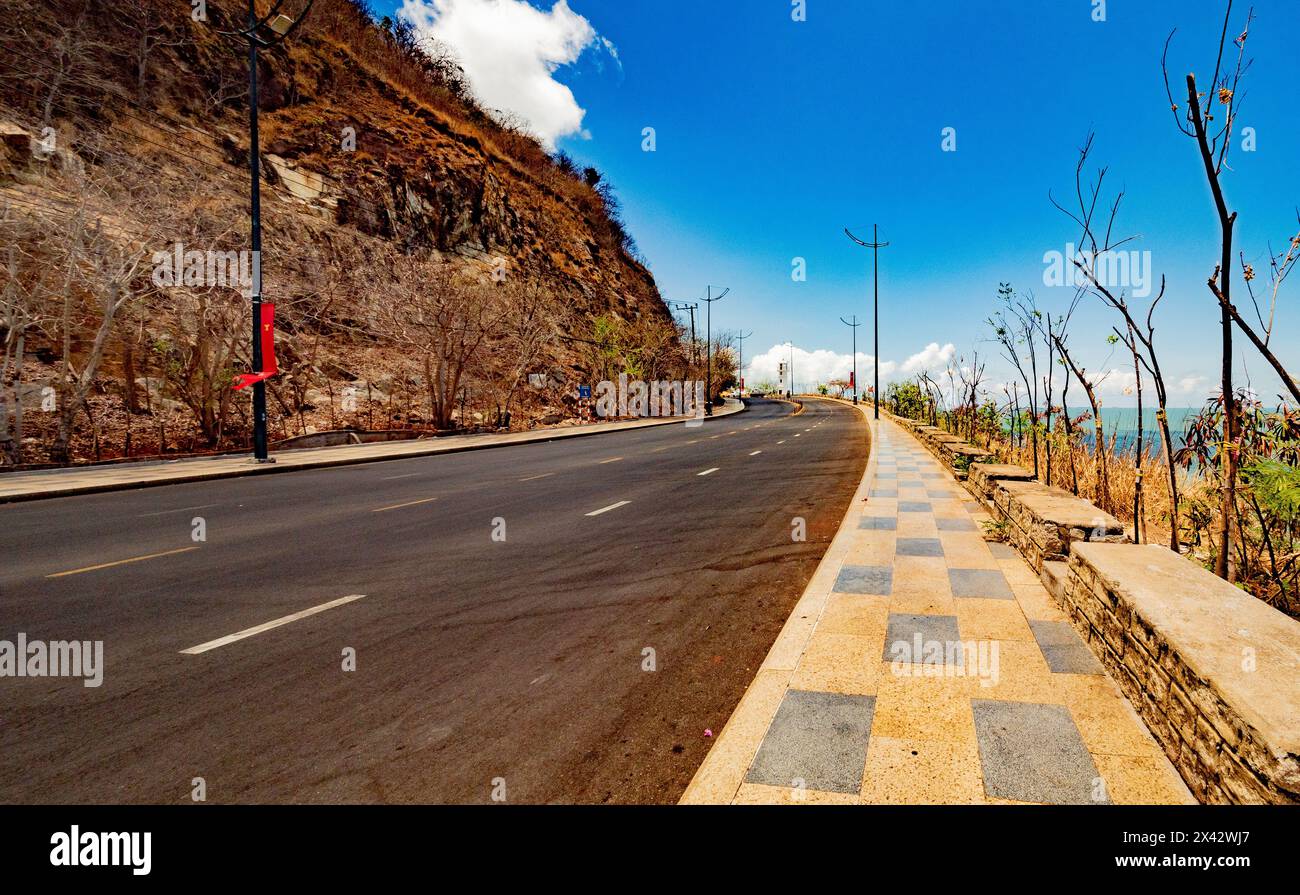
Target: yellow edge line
[(121, 562), (400, 505)]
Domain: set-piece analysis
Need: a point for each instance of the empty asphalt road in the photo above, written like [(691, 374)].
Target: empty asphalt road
[(508, 607)]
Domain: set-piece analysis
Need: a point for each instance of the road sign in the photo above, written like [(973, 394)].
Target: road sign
[(584, 392)]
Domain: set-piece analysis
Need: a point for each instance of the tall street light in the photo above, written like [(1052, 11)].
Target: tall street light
[(267, 31), (740, 364), (855, 324), (875, 247), (708, 348)]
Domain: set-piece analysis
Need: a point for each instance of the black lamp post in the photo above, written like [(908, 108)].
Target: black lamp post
[(708, 348), (855, 324), (875, 247), (261, 32)]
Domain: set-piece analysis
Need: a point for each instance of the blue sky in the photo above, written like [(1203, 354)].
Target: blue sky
[(772, 135)]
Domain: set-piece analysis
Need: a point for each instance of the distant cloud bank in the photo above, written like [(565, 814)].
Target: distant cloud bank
[(822, 365)]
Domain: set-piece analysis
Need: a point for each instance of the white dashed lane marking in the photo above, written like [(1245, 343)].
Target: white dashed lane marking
[(613, 506), (267, 626)]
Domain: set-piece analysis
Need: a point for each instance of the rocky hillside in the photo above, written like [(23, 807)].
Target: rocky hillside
[(398, 218)]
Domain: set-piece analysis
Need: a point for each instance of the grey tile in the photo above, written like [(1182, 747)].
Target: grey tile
[(946, 524), (1065, 651), (914, 506), (878, 580), (1001, 550), (988, 583), (886, 475), (1033, 753), (878, 523), (940, 641), (933, 475), (818, 738), (884, 492), (919, 547)]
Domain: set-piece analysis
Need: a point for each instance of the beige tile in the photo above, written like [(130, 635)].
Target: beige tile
[(1037, 603), (925, 568), (1106, 721), (981, 619), (921, 586), (967, 551), (1017, 573), (761, 794), (918, 600), (922, 707), (840, 663), (881, 506), (1132, 780), (948, 509), (858, 614), (872, 551), (917, 525), (1019, 673), (922, 772)]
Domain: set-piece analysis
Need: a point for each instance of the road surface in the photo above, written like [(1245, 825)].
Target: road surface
[(509, 601)]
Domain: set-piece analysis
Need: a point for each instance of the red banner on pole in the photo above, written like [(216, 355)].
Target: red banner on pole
[(267, 335)]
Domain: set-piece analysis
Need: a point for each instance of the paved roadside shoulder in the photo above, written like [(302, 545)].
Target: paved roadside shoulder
[(42, 484)]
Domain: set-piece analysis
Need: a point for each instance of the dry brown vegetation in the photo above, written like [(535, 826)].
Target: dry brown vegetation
[(425, 256)]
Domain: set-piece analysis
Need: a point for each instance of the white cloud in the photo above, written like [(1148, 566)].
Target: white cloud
[(932, 357), (510, 50), (815, 367), (1193, 385)]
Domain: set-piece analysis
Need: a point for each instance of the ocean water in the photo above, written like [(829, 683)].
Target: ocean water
[(1122, 422)]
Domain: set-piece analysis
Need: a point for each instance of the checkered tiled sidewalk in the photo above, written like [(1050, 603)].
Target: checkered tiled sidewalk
[(926, 665)]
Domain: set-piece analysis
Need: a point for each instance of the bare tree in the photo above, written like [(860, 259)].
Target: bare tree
[(20, 315), (1197, 123), (1136, 335), (529, 333), (1090, 389), (102, 274), (149, 32), (1014, 333), (445, 322)]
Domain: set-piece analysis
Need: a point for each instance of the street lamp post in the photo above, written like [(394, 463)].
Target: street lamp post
[(261, 32), (740, 364), (875, 245), (708, 348), (855, 324)]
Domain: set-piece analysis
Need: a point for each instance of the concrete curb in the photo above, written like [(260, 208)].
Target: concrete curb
[(723, 770), (172, 473)]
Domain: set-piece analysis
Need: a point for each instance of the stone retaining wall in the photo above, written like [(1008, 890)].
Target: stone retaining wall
[(1213, 671)]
